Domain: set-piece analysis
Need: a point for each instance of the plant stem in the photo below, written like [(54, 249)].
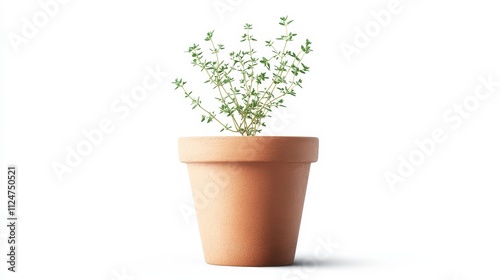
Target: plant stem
[(210, 77), (206, 111), (264, 109), (268, 92), (223, 88)]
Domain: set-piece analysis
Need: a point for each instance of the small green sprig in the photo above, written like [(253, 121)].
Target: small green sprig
[(248, 87)]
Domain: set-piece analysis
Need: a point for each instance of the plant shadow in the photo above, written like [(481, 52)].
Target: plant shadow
[(332, 262)]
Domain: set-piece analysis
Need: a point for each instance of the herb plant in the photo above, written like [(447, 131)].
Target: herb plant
[(248, 87)]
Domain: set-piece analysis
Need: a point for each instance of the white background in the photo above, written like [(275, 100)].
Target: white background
[(118, 215)]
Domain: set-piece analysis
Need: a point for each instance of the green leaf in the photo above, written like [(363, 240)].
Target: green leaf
[(210, 34)]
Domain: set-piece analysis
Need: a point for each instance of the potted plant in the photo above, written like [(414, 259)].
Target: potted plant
[(248, 190)]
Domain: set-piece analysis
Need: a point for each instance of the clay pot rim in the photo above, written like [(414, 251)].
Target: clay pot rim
[(199, 149)]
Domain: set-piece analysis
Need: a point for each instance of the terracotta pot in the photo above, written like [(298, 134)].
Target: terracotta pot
[(249, 193)]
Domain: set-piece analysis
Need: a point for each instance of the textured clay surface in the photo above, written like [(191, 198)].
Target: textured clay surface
[(249, 201)]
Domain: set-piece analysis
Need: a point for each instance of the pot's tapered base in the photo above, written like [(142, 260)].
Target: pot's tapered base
[(249, 214)]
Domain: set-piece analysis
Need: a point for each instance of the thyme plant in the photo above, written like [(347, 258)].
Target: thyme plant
[(248, 86)]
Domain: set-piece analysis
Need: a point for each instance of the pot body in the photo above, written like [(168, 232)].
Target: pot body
[(249, 194)]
